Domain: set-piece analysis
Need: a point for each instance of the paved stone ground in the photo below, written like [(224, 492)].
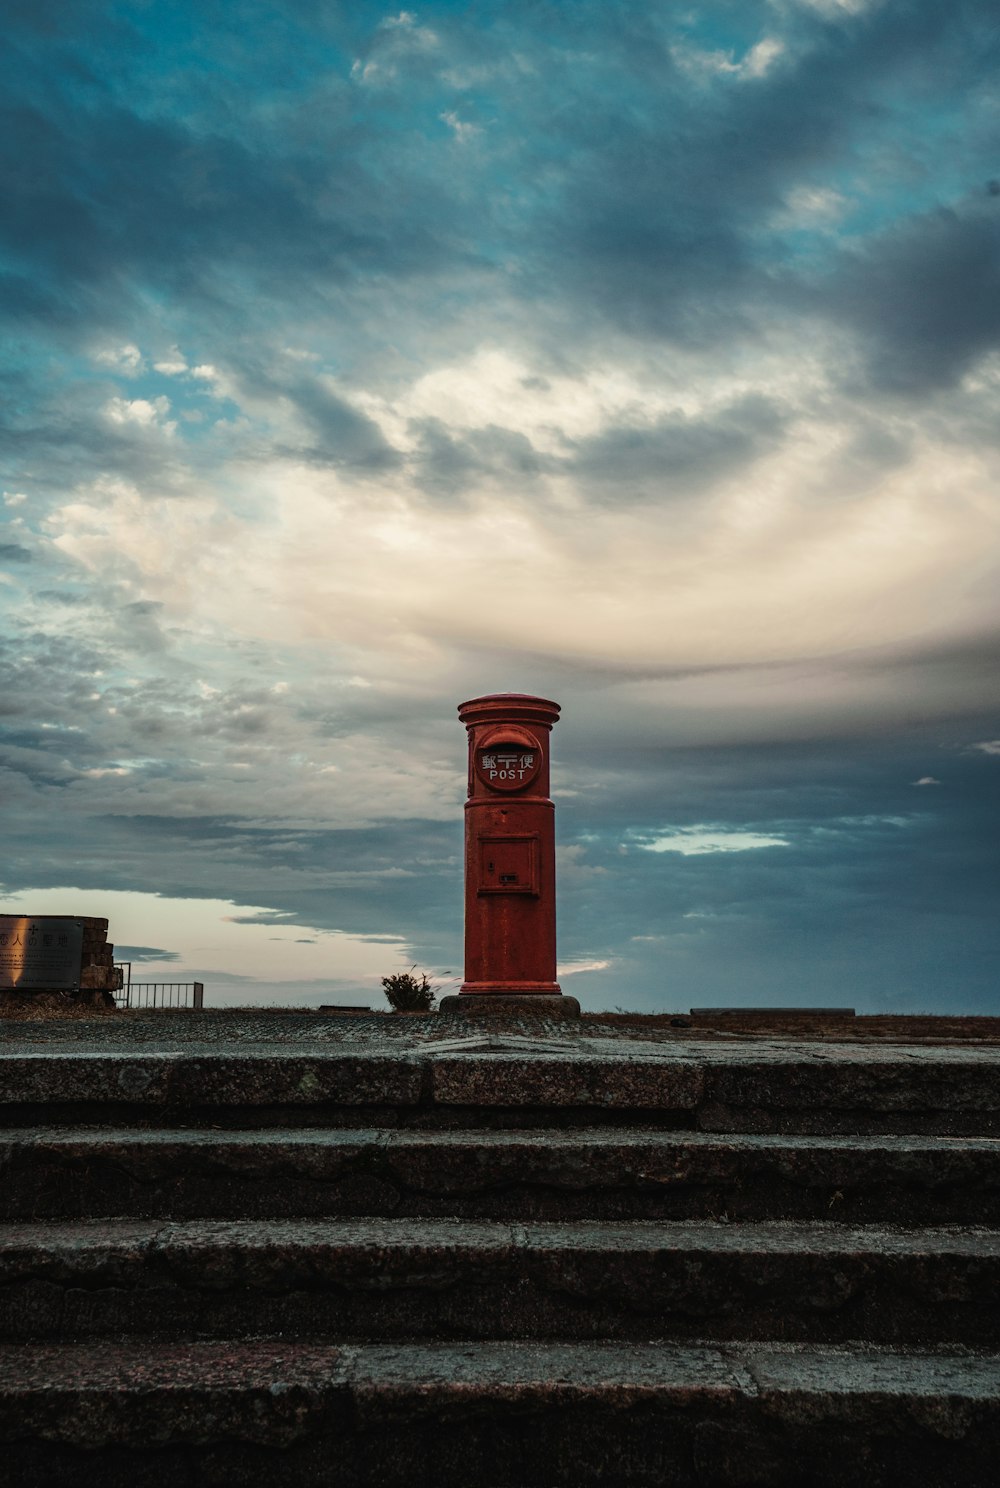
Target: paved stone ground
[(430, 1067), (254, 1029), (301, 1247)]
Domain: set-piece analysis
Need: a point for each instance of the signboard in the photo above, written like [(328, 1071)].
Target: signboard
[(507, 766), (40, 951)]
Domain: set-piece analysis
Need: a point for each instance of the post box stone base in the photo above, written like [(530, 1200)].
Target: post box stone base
[(512, 1004)]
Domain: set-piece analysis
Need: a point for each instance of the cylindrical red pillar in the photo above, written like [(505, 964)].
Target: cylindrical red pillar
[(510, 860)]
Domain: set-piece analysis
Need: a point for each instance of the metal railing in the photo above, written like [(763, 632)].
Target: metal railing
[(158, 994)]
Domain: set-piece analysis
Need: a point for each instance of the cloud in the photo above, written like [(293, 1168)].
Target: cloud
[(398, 43), (670, 392), (337, 433), (693, 841), (463, 130), (677, 455), (144, 953), (924, 297), (171, 365), (127, 360), (760, 58), (142, 413)]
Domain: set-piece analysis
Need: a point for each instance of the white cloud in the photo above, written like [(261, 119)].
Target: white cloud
[(173, 364), (462, 130), (831, 8), (988, 746), (220, 384), (927, 780), (141, 413), (495, 386), (14, 498), (814, 207), (571, 864), (763, 600), (761, 57), (695, 841), (126, 360), (396, 37), (756, 63)]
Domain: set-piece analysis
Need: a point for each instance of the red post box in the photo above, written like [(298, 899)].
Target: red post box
[(510, 858)]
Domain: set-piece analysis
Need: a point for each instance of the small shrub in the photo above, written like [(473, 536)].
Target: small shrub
[(409, 994)]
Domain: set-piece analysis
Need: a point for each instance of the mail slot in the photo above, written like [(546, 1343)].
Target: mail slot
[(510, 872), (508, 865)]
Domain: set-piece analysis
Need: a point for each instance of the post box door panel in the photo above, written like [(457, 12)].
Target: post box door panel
[(508, 865)]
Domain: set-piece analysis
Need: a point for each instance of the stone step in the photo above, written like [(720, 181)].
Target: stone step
[(603, 1173), (514, 1415), (754, 1085), (379, 1280)]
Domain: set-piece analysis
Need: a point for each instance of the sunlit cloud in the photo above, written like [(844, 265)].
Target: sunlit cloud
[(649, 362), (694, 841)]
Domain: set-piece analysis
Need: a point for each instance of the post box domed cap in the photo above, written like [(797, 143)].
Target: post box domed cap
[(509, 707)]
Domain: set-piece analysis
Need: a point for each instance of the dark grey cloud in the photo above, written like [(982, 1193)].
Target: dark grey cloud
[(62, 597), (924, 297), (335, 434), (878, 900), (447, 463), (659, 215), (108, 197), (144, 953), (14, 553), (56, 432), (278, 917), (678, 455), (673, 455)]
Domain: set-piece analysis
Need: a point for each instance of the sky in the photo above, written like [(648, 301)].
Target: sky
[(359, 361)]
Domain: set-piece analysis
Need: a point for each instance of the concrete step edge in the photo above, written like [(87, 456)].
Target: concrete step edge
[(81, 1243), (570, 1139), (827, 1236), (380, 1280), (519, 1176), (709, 1079), (46, 1390)]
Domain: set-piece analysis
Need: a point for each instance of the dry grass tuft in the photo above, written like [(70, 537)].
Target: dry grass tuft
[(43, 1006)]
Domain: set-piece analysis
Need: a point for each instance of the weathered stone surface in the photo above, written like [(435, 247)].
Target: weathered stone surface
[(384, 1279), (185, 1082), (829, 1083), (528, 1079), (380, 1251), (498, 1415), (442, 1070), (599, 1173)]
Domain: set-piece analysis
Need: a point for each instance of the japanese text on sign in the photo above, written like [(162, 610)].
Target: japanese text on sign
[(507, 766), (40, 952)]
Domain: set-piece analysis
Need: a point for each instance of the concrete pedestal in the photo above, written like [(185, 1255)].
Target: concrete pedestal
[(511, 1004)]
